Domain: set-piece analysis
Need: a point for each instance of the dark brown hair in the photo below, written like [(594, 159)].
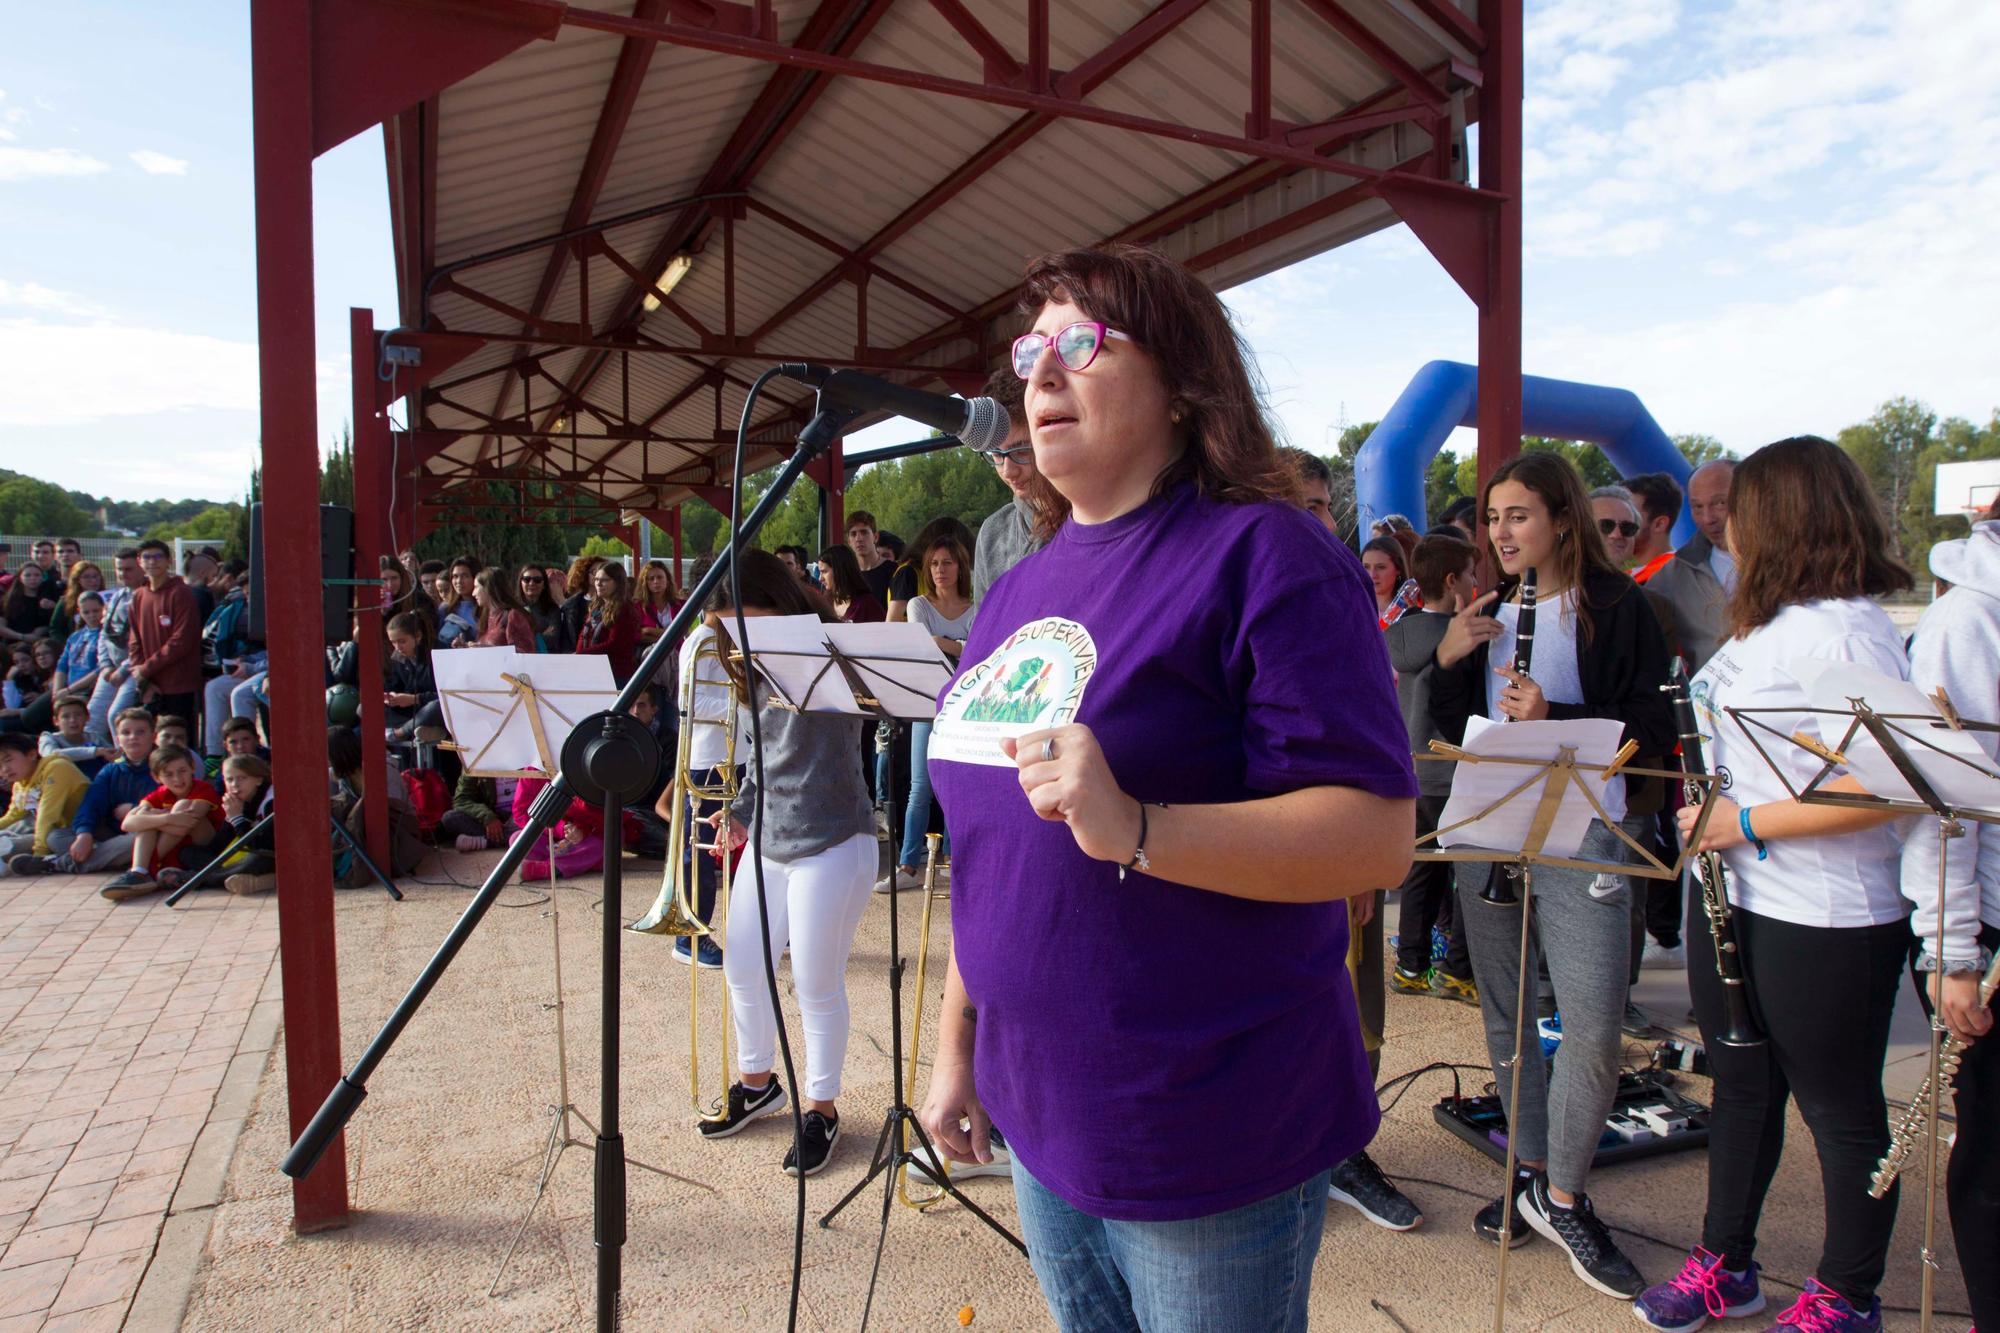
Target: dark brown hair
[(1436, 559), (645, 597), (767, 586), (945, 542), (1579, 545), (503, 595), (1392, 548), (843, 574), (1177, 321), (1804, 524)]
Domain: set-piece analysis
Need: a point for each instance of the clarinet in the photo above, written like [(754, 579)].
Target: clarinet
[(1909, 1130), (1739, 1025), (1499, 890)]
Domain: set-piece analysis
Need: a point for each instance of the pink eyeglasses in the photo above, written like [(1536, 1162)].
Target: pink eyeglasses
[(1077, 345)]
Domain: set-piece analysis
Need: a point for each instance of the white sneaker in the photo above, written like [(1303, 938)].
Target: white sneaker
[(1001, 1165), (1659, 956)]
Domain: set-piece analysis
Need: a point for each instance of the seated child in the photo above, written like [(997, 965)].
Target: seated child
[(473, 823), (239, 737), (170, 729), (579, 845), (169, 827), (71, 739), (246, 801), (46, 790), (93, 841)]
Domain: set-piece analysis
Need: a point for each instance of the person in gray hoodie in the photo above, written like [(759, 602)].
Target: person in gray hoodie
[(1957, 648), (815, 839)]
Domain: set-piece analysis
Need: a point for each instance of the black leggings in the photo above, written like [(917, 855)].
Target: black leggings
[(1824, 997), (1972, 1180)]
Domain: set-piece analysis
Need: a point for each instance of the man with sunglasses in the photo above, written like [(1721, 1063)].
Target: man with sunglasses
[(1008, 534)]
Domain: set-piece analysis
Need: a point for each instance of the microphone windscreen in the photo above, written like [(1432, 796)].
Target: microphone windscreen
[(986, 424)]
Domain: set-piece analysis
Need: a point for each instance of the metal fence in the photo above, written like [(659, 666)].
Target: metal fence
[(98, 549)]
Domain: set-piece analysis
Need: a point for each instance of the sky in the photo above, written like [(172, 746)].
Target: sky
[(1764, 218)]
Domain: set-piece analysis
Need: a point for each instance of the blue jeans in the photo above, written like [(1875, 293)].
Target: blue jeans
[(1248, 1270), (917, 813)]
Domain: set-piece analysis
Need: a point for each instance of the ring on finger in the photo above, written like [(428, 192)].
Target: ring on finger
[(1048, 749)]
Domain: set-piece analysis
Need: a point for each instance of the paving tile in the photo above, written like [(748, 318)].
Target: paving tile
[(60, 1131), (33, 1247), (89, 1172), (120, 1138), (107, 1318), (93, 1282), (74, 1203), (167, 1161), (172, 1132), (20, 1196), (119, 1235), (11, 1226), (140, 1194), (31, 1290)]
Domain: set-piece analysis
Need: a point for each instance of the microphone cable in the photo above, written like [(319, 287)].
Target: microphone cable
[(755, 846)]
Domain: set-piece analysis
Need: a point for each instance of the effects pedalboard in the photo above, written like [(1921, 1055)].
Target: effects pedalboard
[(1647, 1116)]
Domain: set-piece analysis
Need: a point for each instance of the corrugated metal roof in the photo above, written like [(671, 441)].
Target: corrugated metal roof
[(513, 140)]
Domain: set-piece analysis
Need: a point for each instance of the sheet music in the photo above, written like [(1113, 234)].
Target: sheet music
[(899, 664), (1506, 829), (490, 722), (1962, 774)]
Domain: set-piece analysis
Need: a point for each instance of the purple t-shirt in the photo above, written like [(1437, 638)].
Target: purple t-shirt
[(1152, 1051)]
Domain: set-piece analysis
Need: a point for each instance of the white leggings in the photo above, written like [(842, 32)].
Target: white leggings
[(817, 903)]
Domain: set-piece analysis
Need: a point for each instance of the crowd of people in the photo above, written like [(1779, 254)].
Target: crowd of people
[(1241, 719)]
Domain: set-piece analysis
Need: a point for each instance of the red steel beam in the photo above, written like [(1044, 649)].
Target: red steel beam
[(371, 543), (787, 97), (281, 47), (1452, 19), (1378, 52), (1500, 172), (1001, 67), (1164, 18)]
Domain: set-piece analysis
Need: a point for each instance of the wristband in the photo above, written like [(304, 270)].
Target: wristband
[(1743, 822), (1139, 860)]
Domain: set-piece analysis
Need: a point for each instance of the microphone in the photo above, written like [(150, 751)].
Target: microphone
[(978, 423)]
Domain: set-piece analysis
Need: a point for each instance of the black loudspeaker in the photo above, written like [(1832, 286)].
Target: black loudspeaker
[(336, 561)]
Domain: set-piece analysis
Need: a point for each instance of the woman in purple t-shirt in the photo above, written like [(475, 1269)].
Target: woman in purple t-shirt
[(1160, 793)]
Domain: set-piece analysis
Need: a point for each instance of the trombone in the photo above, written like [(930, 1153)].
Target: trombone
[(674, 912)]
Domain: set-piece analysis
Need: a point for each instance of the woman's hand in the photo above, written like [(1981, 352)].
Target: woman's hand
[(953, 1097), (400, 700), (1076, 787), (1467, 630), (1957, 1000), (1522, 700), (729, 833), (1725, 826), (949, 647)]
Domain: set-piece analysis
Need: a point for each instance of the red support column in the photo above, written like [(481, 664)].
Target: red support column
[(1500, 173), (282, 152), (371, 543)]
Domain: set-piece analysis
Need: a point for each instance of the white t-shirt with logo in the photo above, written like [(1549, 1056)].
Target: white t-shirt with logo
[(1843, 881)]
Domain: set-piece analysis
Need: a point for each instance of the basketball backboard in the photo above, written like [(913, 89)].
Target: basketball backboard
[(1967, 489)]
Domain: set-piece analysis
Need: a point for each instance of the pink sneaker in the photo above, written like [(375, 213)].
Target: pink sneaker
[(1819, 1310)]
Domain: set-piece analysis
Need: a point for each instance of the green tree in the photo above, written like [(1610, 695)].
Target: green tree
[(217, 523), (34, 508), (1889, 446), (906, 493), (1699, 449)]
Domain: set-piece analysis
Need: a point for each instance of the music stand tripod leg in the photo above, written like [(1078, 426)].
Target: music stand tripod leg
[(199, 877), (341, 832), (1513, 1105)]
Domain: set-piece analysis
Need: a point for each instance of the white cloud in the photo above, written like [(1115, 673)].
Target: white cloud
[(34, 296), (75, 374), (20, 164), (158, 164)]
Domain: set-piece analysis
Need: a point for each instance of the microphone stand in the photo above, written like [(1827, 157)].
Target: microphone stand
[(347, 1094)]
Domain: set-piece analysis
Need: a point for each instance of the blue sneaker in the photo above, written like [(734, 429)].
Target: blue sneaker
[(708, 955), (1440, 945), (1704, 1290), (1818, 1310)]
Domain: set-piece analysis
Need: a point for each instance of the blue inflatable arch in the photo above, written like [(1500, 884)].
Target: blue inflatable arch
[(1389, 470)]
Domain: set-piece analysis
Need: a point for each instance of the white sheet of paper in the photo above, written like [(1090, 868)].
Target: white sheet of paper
[(899, 662), (1032, 681), (480, 711), (1476, 786), (1970, 785)]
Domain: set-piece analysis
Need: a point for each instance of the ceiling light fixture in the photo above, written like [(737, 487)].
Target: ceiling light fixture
[(670, 277)]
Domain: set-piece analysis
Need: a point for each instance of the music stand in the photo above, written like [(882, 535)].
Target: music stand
[(1533, 807), (890, 672), (1915, 755), (501, 707)]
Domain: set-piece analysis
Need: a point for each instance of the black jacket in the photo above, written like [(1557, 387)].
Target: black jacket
[(1622, 664)]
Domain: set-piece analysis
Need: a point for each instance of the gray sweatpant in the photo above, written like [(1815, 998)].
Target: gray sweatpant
[(112, 852), (1585, 940)]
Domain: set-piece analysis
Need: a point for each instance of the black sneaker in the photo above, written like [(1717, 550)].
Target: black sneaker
[(745, 1105), (1593, 1255), (817, 1141), (1486, 1223), (1360, 1184), (27, 864), (1634, 1023), (131, 884)]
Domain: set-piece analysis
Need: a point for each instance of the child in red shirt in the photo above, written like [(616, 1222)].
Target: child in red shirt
[(182, 812)]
